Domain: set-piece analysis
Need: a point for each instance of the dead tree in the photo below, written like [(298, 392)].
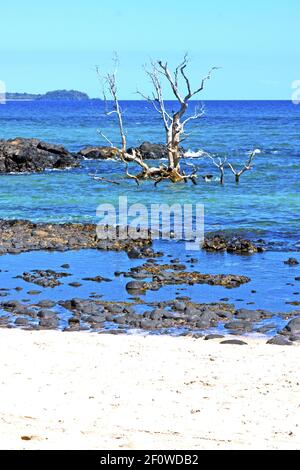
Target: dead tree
[(110, 86), (173, 122), (220, 164), (246, 167)]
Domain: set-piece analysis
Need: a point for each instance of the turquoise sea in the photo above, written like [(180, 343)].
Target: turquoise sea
[(266, 203)]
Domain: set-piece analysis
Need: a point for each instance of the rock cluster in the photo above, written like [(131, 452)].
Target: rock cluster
[(46, 278), (17, 236), (291, 262), (151, 151), (159, 275), (231, 245), (188, 318), (99, 153), (147, 150), (31, 155)]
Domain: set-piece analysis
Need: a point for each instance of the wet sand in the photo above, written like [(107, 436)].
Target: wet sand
[(91, 391)]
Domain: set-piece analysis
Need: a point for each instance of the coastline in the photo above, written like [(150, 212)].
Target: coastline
[(149, 231), (53, 284), (91, 391)]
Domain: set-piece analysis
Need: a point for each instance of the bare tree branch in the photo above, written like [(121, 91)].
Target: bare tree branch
[(157, 100), (101, 178), (173, 125), (220, 164), (172, 122), (165, 71), (197, 114), (105, 138), (246, 167)]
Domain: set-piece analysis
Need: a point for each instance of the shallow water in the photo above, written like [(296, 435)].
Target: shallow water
[(271, 293)]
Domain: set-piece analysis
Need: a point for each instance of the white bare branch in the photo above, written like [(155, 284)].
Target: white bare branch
[(173, 124), (105, 138), (157, 99), (246, 167), (220, 164), (199, 112)]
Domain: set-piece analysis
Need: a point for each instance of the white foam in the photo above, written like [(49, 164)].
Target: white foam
[(191, 154)]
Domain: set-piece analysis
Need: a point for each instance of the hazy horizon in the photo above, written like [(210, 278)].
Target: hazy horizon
[(132, 99)]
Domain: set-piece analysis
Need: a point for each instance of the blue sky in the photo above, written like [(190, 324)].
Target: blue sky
[(50, 45)]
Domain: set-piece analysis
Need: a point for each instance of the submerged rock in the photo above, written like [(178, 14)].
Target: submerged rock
[(99, 153), (75, 284), (231, 245), (18, 236), (46, 303), (291, 262), (32, 155), (151, 151), (46, 278), (165, 274), (96, 279), (136, 286)]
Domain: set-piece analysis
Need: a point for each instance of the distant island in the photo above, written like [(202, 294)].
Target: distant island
[(67, 95)]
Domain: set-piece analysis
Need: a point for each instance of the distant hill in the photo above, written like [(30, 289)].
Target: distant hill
[(69, 95), (64, 95), (22, 96)]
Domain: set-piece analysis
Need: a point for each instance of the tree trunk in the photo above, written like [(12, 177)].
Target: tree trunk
[(222, 176), (175, 143)]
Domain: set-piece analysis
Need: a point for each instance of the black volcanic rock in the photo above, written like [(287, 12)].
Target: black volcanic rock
[(19, 236), (231, 245), (31, 155), (99, 153), (291, 262), (147, 150), (151, 151)]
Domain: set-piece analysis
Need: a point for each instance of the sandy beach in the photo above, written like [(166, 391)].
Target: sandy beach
[(90, 391)]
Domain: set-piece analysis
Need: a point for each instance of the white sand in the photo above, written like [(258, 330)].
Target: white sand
[(91, 391)]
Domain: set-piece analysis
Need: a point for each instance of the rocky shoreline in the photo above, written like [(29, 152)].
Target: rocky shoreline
[(181, 317), (33, 156), (22, 155), (19, 236)]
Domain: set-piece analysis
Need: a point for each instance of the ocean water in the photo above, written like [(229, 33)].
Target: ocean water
[(265, 205)]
